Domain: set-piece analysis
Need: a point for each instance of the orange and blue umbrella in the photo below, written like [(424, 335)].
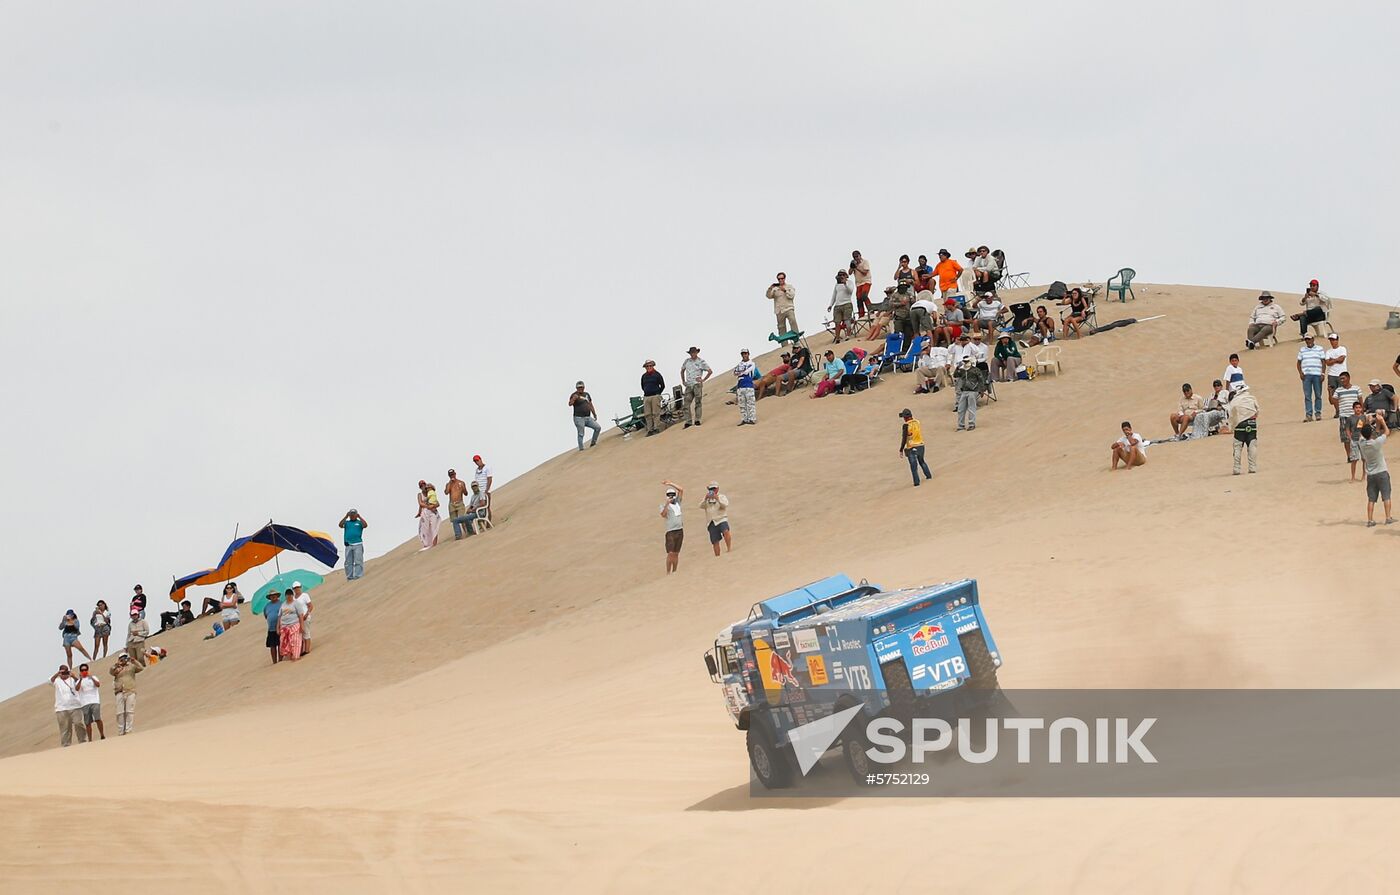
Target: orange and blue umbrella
[(257, 548)]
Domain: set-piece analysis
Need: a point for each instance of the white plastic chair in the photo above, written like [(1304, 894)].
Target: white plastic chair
[(1048, 358), (483, 517)]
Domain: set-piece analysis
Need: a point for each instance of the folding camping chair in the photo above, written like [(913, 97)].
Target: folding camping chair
[(894, 345), (1016, 280), (912, 355), (634, 422), (789, 339)]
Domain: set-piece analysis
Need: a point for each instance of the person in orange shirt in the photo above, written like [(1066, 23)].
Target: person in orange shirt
[(947, 271)]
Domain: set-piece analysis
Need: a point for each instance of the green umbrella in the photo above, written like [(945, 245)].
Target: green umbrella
[(283, 582)]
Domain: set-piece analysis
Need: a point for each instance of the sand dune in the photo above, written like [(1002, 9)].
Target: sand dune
[(529, 708)]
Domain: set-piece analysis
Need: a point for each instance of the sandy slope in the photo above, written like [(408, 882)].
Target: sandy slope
[(530, 708)]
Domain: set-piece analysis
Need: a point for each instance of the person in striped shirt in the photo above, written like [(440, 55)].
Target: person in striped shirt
[(1310, 373), (1345, 398)]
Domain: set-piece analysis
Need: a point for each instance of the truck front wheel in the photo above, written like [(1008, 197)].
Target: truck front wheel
[(769, 763)]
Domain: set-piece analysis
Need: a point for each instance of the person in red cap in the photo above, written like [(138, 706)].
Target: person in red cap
[(484, 480), (1316, 308), (947, 332)]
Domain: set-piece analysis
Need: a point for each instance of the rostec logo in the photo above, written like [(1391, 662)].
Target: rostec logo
[(927, 639)]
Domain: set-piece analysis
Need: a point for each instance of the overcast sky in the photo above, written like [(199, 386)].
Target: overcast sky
[(270, 260)]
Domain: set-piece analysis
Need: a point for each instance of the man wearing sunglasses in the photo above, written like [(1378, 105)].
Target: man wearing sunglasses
[(68, 706)]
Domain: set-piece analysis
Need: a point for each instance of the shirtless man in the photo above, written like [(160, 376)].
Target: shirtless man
[(456, 503)]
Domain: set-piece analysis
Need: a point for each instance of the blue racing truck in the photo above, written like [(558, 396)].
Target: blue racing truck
[(835, 644)]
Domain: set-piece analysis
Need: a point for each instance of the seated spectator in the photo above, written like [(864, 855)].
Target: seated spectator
[(170, 620), (1263, 321), (980, 354), (1316, 308), (865, 366), (1078, 311), (960, 349), (1186, 410), (933, 370), (952, 325), (801, 362), (1215, 415), (1042, 327), (923, 275), (1130, 450), (209, 605), (774, 378), (1381, 400), (832, 371), (985, 270), (987, 311), (1006, 357)]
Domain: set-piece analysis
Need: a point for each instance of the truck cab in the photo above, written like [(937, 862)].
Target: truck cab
[(835, 643)]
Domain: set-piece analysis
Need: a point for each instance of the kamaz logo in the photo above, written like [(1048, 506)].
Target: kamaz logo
[(963, 629)]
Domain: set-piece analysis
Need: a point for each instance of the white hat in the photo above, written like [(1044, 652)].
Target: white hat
[(296, 584)]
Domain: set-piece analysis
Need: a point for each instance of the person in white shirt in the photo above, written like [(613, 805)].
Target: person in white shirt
[(90, 696), (1264, 321), (694, 372), (1233, 375), (860, 270), (924, 312), (979, 353), (484, 480), (988, 309), (1334, 364), (1130, 450), (985, 271), (933, 367), (304, 601), (675, 524), (842, 307), (68, 706)]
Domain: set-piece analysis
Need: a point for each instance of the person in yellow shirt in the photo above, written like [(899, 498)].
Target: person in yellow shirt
[(911, 445), (947, 271)]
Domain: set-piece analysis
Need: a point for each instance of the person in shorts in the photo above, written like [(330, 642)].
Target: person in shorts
[(716, 508), (90, 696), (270, 612), (675, 525), (1351, 439), (229, 604), (1373, 434)]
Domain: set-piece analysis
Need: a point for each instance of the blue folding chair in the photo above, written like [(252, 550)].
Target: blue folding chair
[(894, 345), (912, 355)]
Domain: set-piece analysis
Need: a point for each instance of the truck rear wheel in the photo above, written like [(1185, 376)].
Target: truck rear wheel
[(979, 661), (854, 744), (770, 765), (898, 686)]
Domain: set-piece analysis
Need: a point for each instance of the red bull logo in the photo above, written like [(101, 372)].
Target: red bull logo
[(927, 639), (781, 670)]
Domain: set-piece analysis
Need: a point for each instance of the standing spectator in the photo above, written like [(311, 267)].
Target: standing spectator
[(1006, 357), (675, 524), (428, 520), (71, 630), (1351, 434), (783, 297), (1316, 308), (271, 611), (903, 273), (653, 385), (968, 382), (1334, 364), (1186, 409), (303, 600), (124, 689), (229, 604), (860, 269), (1263, 321), (931, 370), (1345, 397), (90, 696), (923, 275), (68, 707), (923, 313), (1310, 361), (744, 372), (1130, 449), (101, 629), (716, 508), (289, 627), (1234, 374), (694, 372), (911, 446), (354, 525), (136, 633), (456, 503), (842, 306), (900, 304), (585, 417), (1373, 435), (138, 600), (947, 270), (485, 481), (1244, 420)]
